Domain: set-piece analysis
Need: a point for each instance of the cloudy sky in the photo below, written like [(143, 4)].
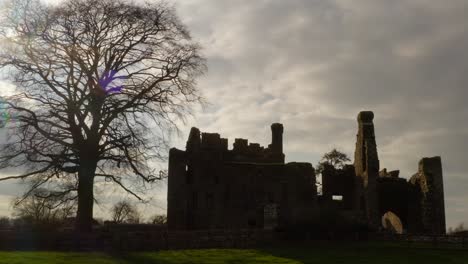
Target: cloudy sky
[(314, 64)]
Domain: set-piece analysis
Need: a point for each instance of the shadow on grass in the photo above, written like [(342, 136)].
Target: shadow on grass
[(319, 253), (286, 254), (367, 253)]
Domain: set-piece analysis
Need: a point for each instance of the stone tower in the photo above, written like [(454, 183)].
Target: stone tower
[(431, 188), (249, 186), (276, 146), (366, 162)]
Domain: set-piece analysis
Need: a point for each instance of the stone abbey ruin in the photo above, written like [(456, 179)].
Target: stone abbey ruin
[(250, 186)]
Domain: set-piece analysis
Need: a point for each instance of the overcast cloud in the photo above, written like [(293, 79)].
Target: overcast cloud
[(314, 64)]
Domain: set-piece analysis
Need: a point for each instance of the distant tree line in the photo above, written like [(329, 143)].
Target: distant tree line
[(460, 228), (41, 211)]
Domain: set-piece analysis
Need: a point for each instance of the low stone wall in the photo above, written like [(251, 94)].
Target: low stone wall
[(121, 239), (145, 240), (461, 241)]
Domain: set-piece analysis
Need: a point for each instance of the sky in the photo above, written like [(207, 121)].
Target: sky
[(313, 65)]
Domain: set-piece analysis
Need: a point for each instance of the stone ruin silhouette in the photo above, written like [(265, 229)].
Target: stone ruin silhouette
[(250, 186)]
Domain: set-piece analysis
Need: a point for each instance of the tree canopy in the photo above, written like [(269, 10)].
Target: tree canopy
[(335, 158), (99, 83)]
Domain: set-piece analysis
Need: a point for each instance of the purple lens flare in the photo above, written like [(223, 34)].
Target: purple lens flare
[(105, 82)]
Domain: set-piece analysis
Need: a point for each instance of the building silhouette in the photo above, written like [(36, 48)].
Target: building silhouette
[(213, 187)]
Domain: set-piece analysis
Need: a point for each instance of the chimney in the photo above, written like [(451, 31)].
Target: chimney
[(277, 138)]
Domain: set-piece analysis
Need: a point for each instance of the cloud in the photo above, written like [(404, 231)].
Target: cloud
[(314, 64)]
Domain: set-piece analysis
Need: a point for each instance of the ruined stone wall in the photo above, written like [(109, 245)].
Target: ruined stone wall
[(429, 184), (247, 188), (393, 195), (366, 163), (176, 191), (242, 151), (339, 182), (276, 147), (211, 186), (225, 188), (233, 195), (418, 203)]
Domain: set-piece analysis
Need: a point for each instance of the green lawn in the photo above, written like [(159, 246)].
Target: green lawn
[(361, 254)]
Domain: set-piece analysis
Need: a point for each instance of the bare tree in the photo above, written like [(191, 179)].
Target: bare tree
[(43, 207), (125, 212), (99, 83), (460, 228), (158, 220)]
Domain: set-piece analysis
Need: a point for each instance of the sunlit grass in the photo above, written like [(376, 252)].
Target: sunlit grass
[(318, 253)]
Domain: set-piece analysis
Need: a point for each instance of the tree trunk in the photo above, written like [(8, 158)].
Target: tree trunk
[(84, 217)]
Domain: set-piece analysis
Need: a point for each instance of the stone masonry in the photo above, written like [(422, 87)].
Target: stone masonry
[(366, 163), (249, 186), (211, 186)]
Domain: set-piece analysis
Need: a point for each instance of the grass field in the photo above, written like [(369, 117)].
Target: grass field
[(361, 254)]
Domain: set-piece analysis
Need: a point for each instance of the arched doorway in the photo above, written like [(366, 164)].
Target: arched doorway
[(393, 200), (392, 223)]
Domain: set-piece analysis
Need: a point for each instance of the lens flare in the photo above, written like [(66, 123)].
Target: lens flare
[(105, 82)]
